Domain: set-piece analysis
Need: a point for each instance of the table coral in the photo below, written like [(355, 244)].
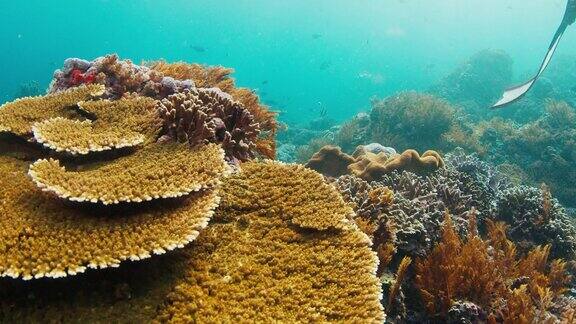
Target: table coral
[(157, 171), (111, 125), (18, 116), (257, 263), (44, 237)]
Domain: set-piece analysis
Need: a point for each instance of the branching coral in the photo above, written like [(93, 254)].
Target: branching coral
[(219, 77), (18, 116), (256, 262), (536, 219), (489, 274), (158, 171), (121, 123), (202, 116), (44, 237)]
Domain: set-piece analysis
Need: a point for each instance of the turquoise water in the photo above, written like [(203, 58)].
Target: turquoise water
[(301, 56)]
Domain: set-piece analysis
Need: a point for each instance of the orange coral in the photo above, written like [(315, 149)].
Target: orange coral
[(488, 273)]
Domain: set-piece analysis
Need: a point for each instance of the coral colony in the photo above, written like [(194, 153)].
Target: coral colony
[(149, 193)]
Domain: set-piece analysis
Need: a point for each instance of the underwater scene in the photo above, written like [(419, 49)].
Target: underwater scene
[(369, 161)]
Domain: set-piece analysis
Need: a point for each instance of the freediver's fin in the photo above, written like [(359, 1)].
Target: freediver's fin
[(511, 95)]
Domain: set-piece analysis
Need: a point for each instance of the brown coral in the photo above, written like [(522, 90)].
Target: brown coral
[(332, 162), (371, 167), (158, 171), (219, 77), (44, 237), (253, 264), (18, 116), (488, 273), (200, 116)]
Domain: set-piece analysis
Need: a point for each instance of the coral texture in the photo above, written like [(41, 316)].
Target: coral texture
[(330, 161), (489, 274), (256, 262), (19, 116), (370, 166), (117, 124), (219, 77), (44, 237), (157, 171), (536, 219), (118, 76), (201, 116)]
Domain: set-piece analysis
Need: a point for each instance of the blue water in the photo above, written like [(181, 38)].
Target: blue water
[(301, 56)]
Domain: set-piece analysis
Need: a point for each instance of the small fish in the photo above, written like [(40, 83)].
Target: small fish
[(265, 82), (198, 49), (325, 65), (316, 36)]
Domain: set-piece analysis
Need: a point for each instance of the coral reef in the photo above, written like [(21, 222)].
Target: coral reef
[(294, 273), (201, 116), (219, 77), (410, 120), (18, 117), (489, 274), (117, 124), (478, 82), (370, 166), (44, 237), (118, 76), (160, 79), (535, 218), (157, 171)]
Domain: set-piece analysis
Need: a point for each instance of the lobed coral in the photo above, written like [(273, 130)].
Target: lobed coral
[(370, 166), (202, 116)]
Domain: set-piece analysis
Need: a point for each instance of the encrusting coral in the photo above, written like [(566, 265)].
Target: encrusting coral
[(257, 263), (330, 161), (157, 171), (201, 116), (117, 124), (371, 166), (43, 236), (18, 117)]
